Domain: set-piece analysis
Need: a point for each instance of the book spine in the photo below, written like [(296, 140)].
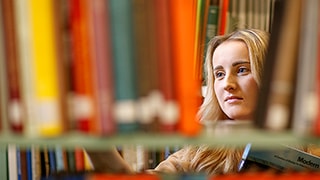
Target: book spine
[(102, 55), (83, 76), (15, 111), (305, 106), (168, 111), (46, 86), (52, 160), (12, 162), (186, 84), (124, 65), (29, 162), (3, 80)]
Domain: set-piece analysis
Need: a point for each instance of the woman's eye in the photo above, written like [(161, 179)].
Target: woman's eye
[(218, 74), (243, 70)]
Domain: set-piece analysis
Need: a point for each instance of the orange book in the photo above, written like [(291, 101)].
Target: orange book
[(82, 66), (187, 84), (79, 159)]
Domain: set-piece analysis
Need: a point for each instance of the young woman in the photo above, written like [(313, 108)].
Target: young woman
[(234, 64)]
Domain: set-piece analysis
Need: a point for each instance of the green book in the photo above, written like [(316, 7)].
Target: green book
[(124, 65)]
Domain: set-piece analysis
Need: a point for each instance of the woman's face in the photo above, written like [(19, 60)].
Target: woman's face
[(234, 85)]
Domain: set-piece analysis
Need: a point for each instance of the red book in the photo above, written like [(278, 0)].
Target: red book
[(79, 159), (223, 20), (102, 63), (168, 115), (15, 108)]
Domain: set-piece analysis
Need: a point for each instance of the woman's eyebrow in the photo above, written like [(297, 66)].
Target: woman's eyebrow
[(217, 68), (240, 62)]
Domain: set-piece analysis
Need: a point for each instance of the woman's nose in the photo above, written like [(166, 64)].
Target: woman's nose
[(230, 82)]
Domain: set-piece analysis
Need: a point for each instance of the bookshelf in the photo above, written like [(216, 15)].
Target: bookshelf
[(66, 93)]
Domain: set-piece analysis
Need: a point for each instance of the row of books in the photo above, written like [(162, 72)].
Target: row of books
[(99, 67), (42, 162), (36, 162), (289, 95)]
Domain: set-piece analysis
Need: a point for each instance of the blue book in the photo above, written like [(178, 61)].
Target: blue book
[(282, 158), (52, 160), (29, 163)]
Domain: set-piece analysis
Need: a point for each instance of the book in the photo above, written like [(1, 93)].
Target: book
[(3, 93), (211, 30), (168, 111), (102, 57), (83, 78), (12, 162), (147, 75), (62, 38), (15, 104), (4, 162), (275, 99), (186, 83), (124, 73), (47, 120), (223, 16), (29, 162), (316, 129), (25, 51), (52, 160), (79, 159), (281, 157), (305, 106)]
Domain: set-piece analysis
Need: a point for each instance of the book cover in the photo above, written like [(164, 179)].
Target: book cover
[(47, 114), (123, 65), (186, 83), (282, 158), (14, 108)]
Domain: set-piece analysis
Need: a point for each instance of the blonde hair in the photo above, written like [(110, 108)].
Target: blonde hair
[(256, 42)]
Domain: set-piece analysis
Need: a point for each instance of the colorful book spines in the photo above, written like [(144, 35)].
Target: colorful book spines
[(99, 100)]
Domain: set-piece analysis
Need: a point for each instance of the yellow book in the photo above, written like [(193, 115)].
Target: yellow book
[(47, 113)]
